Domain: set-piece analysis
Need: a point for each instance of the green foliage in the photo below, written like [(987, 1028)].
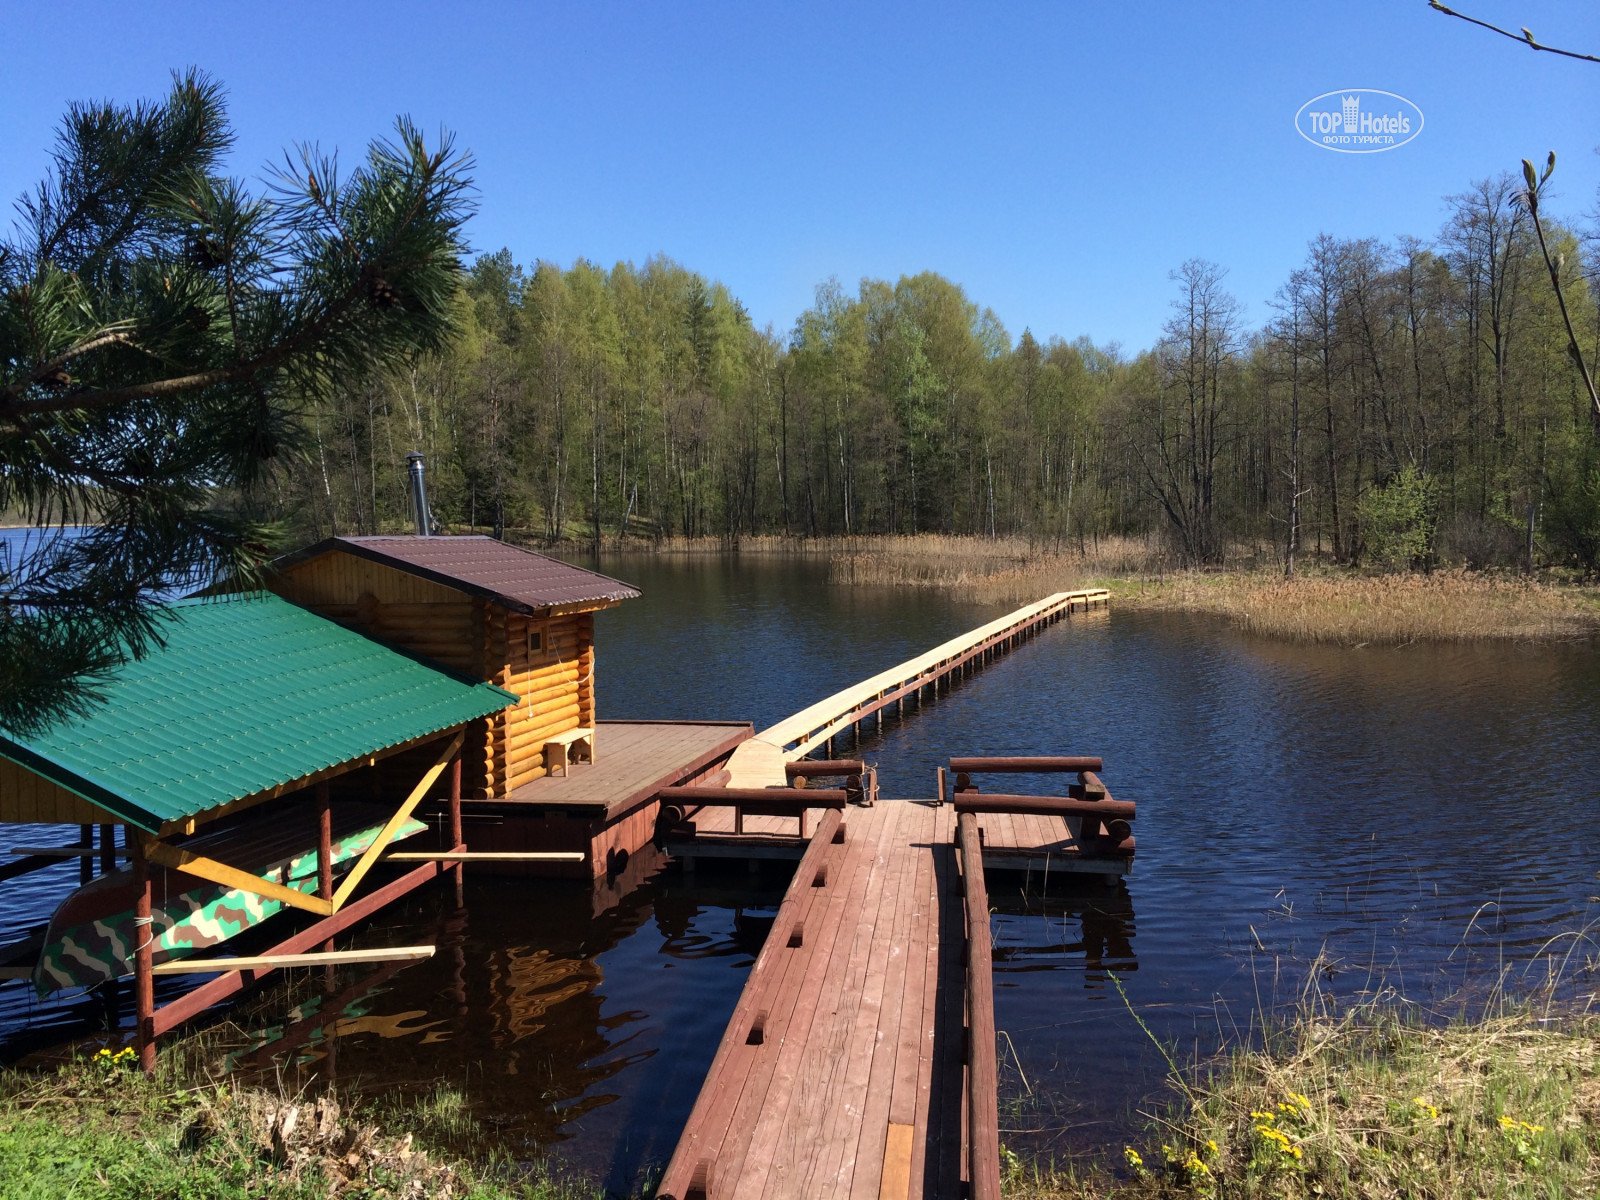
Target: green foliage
[(1572, 511), (162, 333), (1398, 518), (98, 1127)]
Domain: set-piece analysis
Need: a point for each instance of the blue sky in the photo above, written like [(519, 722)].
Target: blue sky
[(1058, 160)]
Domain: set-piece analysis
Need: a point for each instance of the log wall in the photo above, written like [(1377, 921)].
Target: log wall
[(554, 683)]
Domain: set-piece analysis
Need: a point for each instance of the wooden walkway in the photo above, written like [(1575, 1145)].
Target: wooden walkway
[(759, 761), (841, 1071)]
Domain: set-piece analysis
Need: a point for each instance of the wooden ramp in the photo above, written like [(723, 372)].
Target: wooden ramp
[(841, 1071)]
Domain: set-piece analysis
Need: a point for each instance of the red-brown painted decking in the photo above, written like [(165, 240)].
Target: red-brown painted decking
[(853, 1085)]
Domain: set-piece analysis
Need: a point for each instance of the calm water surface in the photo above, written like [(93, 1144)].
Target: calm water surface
[(1422, 818)]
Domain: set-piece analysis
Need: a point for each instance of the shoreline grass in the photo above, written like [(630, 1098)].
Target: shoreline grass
[(1371, 1104), (96, 1126)]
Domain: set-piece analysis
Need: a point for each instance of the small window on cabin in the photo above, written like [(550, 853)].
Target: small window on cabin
[(535, 642)]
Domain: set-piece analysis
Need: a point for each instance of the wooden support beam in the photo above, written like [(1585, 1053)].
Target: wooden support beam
[(1025, 766), (1046, 806), (144, 984), (179, 859), (373, 852), (767, 802), (276, 962), (61, 851), (203, 997), (176, 858)]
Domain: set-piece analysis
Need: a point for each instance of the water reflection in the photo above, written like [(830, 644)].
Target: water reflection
[(1047, 924), (541, 1012)]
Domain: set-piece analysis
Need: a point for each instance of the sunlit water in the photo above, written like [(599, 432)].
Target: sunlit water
[(1424, 819)]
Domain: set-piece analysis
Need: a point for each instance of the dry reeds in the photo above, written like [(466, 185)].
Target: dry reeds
[(1356, 609), (1321, 605)]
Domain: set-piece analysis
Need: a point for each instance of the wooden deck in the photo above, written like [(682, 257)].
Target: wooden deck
[(1011, 841), (606, 809), (633, 761), (841, 1072)]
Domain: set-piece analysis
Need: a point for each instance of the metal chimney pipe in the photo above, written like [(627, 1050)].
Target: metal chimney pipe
[(420, 515)]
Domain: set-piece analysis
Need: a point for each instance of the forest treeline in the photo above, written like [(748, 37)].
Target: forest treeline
[(1409, 402)]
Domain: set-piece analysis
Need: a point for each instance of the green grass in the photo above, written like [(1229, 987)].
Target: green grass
[(96, 1127), (1372, 1105)]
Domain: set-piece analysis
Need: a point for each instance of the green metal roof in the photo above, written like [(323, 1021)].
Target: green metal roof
[(249, 692)]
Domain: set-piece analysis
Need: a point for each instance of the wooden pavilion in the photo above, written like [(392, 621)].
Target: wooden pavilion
[(248, 758)]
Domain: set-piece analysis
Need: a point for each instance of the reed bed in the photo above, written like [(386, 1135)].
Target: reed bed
[(1321, 605), (1354, 609), (1372, 1105)]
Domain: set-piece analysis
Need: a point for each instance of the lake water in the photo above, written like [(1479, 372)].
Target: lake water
[(1424, 819)]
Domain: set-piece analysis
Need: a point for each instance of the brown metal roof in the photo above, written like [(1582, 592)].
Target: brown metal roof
[(482, 566)]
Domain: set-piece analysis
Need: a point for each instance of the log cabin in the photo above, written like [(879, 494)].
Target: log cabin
[(519, 620)]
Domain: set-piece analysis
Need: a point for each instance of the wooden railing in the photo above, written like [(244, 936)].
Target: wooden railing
[(812, 726), (1103, 828), (1103, 831)]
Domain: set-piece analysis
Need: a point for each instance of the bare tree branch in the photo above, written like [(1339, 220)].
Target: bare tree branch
[(1527, 38)]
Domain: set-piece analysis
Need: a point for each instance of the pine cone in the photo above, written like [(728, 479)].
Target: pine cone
[(380, 293), (197, 318)]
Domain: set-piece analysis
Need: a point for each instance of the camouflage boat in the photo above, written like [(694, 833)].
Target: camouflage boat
[(90, 937)]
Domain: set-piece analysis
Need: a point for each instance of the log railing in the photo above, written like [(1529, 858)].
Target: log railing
[(750, 802), (1103, 823), (983, 1071), (1103, 831)]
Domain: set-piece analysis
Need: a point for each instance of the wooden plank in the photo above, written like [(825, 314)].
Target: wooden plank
[(842, 1094), (373, 852), (171, 1015), (875, 1111), (179, 859), (62, 851), (317, 958), (713, 1109), (794, 1126), (896, 1181)]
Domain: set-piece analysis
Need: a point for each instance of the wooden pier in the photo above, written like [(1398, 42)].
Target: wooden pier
[(759, 762), (860, 1060)]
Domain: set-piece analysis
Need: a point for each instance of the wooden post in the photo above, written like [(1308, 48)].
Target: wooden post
[(983, 1118), (456, 839), (86, 863), (108, 849), (144, 980), (325, 853)]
